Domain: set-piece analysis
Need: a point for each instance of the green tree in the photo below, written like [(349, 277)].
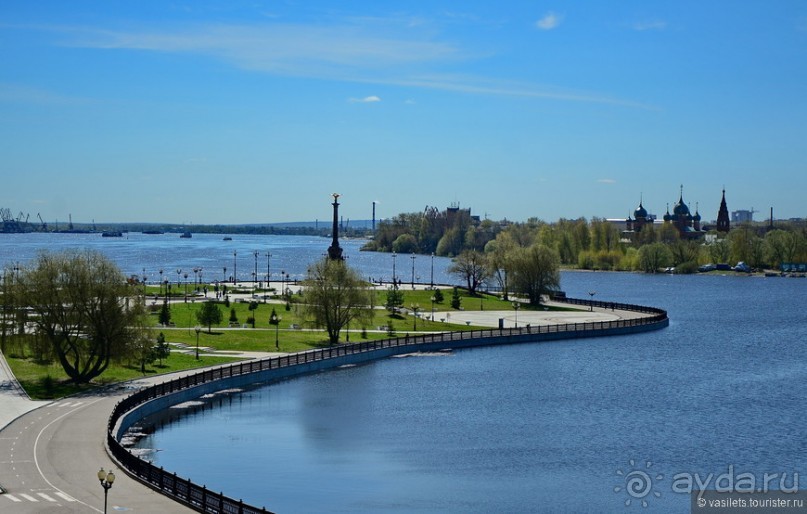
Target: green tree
[(654, 256), (253, 306), (209, 314), (82, 305), (165, 314), (395, 300), (161, 348), (720, 251), (334, 296), (535, 272), (456, 299), (685, 251), (497, 252), (405, 243), (782, 246), (472, 267), (233, 315), (438, 296)]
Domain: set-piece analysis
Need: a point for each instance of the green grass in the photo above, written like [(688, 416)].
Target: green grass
[(44, 381), (48, 380)]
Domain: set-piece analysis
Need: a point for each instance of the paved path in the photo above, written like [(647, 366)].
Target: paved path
[(50, 452)]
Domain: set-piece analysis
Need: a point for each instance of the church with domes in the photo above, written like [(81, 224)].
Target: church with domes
[(686, 223)]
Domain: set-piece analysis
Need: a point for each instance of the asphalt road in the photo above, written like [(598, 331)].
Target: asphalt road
[(50, 458)]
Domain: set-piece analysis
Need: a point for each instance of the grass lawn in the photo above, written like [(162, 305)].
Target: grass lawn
[(44, 381), (48, 380)]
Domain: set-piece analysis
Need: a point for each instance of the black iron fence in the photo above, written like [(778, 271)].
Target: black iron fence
[(203, 500)]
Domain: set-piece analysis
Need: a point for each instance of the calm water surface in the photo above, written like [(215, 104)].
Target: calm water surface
[(527, 428), (138, 254)]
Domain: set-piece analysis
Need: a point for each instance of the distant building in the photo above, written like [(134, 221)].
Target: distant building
[(688, 224), (742, 216), (723, 224)]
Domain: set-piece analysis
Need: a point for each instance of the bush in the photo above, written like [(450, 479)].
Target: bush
[(687, 268), (585, 260)]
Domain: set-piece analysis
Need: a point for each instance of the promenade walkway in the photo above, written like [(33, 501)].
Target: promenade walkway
[(51, 451)]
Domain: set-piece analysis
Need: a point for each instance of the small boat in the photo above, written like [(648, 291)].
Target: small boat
[(111, 233), (228, 238), (186, 235), (152, 232)]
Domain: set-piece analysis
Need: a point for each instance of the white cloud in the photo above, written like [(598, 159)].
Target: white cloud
[(365, 100), (550, 21), (347, 52), (409, 101), (282, 48), (650, 25), (606, 181)]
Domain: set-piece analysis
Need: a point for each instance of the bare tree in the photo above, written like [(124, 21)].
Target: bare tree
[(472, 267)]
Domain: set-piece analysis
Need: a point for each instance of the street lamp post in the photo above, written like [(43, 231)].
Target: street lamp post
[(235, 268), (413, 269), (394, 279), (431, 282), (433, 299), (161, 282), (255, 273), (591, 305), (275, 320), (415, 309), (268, 274), (198, 329), (106, 479), (516, 305), (224, 277)]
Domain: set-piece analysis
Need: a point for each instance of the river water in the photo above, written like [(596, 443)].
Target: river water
[(145, 254), (550, 427)]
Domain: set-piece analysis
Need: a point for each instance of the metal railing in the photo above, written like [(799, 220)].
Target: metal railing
[(203, 500)]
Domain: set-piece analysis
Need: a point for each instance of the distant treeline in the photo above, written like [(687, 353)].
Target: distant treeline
[(592, 244)]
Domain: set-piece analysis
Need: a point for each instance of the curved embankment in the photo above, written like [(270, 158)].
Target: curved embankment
[(159, 397)]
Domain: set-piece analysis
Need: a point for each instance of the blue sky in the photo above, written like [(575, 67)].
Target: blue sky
[(256, 111)]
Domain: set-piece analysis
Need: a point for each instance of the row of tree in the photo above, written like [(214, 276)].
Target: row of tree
[(594, 244)]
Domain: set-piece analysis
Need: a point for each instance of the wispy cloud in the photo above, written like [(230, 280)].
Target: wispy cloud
[(606, 181), (550, 21), (365, 100), (279, 48), (649, 25), (348, 53)]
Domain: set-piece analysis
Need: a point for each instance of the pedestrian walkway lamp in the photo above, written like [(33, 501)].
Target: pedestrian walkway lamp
[(197, 329), (516, 305), (394, 280), (275, 320), (106, 480), (591, 305)]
